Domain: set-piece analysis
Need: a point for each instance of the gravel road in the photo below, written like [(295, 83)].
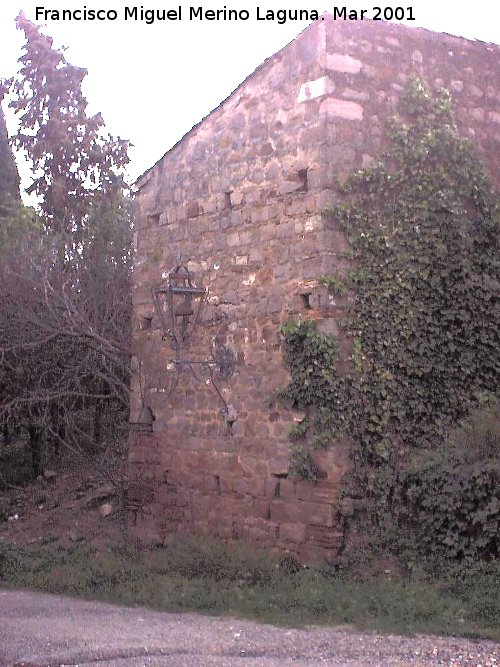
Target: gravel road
[(51, 631)]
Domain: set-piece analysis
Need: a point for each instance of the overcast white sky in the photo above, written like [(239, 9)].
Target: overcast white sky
[(152, 83)]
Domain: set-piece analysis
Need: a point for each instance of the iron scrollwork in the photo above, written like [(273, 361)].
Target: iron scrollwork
[(178, 304)]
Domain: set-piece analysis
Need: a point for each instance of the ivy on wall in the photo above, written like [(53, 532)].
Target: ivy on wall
[(423, 224), (317, 387)]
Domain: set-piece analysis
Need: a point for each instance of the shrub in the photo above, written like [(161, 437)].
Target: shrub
[(448, 501)]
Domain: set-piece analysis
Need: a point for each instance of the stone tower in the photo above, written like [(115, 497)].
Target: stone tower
[(237, 204)]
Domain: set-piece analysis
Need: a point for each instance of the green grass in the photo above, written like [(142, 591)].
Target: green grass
[(211, 578)]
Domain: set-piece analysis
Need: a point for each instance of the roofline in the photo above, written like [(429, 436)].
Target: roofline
[(326, 16), (250, 76)]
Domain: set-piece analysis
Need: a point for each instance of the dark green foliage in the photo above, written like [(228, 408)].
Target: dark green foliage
[(15, 219), (9, 178), (316, 385), (452, 509), (74, 162), (299, 429), (448, 501), (303, 465), (423, 223), (334, 284)]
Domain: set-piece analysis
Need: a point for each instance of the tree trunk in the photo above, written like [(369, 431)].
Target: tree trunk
[(6, 433), (58, 428), (35, 433), (98, 410)]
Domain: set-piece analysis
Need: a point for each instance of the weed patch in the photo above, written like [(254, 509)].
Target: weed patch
[(211, 578)]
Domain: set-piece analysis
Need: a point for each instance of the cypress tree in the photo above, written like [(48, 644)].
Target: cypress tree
[(9, 177)]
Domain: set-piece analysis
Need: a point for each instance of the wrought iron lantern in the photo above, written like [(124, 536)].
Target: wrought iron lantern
[(178, 304)]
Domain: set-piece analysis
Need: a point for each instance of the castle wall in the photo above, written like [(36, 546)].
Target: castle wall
[(241, 198)]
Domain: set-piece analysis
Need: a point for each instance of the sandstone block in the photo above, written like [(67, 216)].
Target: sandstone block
[(238, 506), (272, 487), (317, 88), (293, 532), (233, 239), (236, 218), (478, 114), (152, 457), (316, 514), (240, 486), (287, 488), (237, 198), (193, 209), (475, 91), (291, 186), (274, 304), (245, 238), (285, 231), (261, 508), (335, 108), (342, 63), (137, 455), (279, 465), (285, 511), (320, 492), (355, 95), (313, 223)]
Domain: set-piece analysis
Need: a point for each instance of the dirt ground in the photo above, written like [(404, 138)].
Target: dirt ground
[(69, 505)]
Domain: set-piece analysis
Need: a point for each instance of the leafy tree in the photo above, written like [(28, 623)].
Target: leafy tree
[(65, 301), (73, 160), (9, 177)]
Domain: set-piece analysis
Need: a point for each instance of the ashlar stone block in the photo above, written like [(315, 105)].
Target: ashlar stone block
[(343, 63), (346, 109), (317, 88), (293, 532)]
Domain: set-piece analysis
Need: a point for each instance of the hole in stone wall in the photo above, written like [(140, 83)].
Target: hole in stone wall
[(276, 493), (217, 483), (145, 323), (153, 219), (230, 416), (306, 300), (303, 177), (228, 204)]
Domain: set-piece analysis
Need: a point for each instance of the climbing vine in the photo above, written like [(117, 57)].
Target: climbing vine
[(318, 387), (423, 224)]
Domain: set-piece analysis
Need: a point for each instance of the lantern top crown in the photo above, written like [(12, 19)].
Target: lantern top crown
[(181, 281)]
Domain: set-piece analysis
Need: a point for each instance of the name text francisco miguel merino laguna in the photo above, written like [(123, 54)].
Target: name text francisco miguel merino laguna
[(223, 14)]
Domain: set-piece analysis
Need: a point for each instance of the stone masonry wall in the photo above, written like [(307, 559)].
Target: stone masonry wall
[(240, 197)]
